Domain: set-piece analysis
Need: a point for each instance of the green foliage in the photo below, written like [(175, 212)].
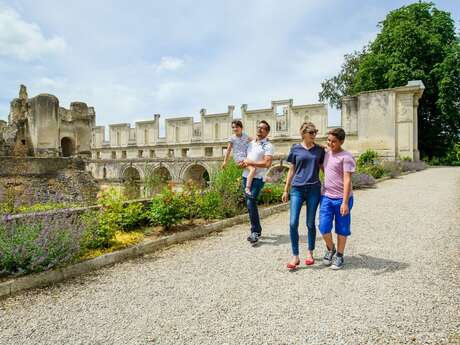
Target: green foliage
[(9, 208), (271, 193), (227, 184), (416, 42), (133, 216), (97, 233), (33, 246), (366, 158), (376, 171), (211, 206), (166, 209)]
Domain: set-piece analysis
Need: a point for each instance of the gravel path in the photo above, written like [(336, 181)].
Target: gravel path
[(400, 284)]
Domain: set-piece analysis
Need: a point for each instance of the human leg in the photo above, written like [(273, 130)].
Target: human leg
[(251, 204), (342, 228), (326, 216), (252, 172), (313, 197), (296, 201)]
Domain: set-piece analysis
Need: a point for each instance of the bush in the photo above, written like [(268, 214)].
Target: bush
[(413, 166), (392, 168), (376, 171), (367, 158), (167, 209), (33, 246), (227, 184), (271, 193), (361, 180), (211, 206), (133, 216), (98, 233)]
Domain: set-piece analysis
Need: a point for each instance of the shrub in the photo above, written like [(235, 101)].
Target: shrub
[(376, 171), (167, 209), (413, 166), (33, 246), (133, 215), (98, 233), (227, 184), (367, 158), (271, 193), (192, 198), (361, 180), (392, 168), (211, 206)]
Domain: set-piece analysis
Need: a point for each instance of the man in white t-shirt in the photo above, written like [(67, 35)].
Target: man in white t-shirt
[(260, 155)]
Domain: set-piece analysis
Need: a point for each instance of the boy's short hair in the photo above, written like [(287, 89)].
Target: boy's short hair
[(266, 124), (339, 133), (237, 123)]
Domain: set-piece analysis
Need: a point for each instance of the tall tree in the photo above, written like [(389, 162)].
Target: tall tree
[(416, 42)]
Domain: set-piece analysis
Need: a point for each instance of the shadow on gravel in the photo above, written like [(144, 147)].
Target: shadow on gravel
[(379, 265)]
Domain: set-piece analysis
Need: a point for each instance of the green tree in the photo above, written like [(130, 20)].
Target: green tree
[(416, 42)]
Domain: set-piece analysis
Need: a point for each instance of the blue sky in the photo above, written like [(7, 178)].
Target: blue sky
[(131, 60)]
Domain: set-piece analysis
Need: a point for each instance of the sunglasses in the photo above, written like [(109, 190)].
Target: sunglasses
[(262, 127), (313, 132)]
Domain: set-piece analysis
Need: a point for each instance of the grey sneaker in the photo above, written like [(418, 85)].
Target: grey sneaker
[(327, 259), (338, 263), (254, 237)]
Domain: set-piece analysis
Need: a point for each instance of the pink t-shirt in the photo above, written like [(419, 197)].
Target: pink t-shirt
[(335, 164)]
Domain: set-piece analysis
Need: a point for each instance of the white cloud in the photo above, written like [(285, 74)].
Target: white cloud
[(23, 40), (168, 63)]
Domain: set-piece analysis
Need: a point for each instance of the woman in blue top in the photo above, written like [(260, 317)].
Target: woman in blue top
[(303, 178)]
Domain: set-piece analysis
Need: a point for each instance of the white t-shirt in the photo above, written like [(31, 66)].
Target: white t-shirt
[(256, 152)]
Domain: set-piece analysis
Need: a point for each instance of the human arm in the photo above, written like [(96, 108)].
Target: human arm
[(227, 154), (265, 163), (346, 193), (287, 185)]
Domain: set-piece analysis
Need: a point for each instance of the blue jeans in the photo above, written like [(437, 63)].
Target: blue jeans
[(311, 194), (251, 203)]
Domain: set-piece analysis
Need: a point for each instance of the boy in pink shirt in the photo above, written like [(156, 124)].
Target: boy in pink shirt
[(337, 198)]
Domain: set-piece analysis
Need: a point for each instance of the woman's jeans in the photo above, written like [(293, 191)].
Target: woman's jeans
[(311, 194)]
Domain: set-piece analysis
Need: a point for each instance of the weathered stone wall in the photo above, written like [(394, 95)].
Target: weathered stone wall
[(38, 180)]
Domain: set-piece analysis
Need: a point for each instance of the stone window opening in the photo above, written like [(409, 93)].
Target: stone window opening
[(224, 150), (104, 173), (152, 153), (184, 152), (171, 153), (98, 155), (114, 155), (123, 154), (208, 151), (140, 153)]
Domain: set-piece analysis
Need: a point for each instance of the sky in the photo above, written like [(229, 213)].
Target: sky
[(131, 60)]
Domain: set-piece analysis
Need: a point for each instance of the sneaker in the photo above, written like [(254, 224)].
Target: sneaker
[(327, 259), (338, 263), (254, 237)]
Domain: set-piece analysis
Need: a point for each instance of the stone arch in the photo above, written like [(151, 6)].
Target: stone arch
[(67, 147), (131, 179), (197, 173), (156, 178), (276, 173)]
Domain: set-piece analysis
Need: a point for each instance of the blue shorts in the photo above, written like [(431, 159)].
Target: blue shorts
[(329, 210)]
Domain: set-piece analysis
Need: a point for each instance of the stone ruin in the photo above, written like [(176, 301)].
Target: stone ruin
[(39, 127)]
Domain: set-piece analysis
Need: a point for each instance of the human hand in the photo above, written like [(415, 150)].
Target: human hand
[(285, 197), (344, 209)]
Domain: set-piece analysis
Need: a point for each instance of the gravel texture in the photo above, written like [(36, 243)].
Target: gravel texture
[(400, 284)]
